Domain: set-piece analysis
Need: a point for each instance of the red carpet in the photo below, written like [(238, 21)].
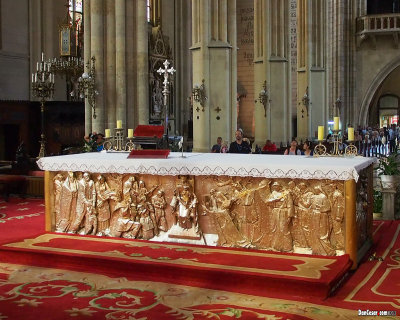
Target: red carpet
[(20, 218), (153, 281)]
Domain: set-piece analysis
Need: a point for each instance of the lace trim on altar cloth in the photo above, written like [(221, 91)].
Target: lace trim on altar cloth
[(196, 166)]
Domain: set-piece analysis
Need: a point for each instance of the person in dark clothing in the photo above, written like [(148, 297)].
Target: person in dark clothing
[(216, 148), (239, 146)]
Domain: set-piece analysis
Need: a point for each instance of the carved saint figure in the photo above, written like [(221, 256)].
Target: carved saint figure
[(159, 204), (282, 212), (319, 222), (129, 192), (337, 218), (103, 195), (184, 205), (58, 182), (146, 221), (302, 197), (68, 201), (85, 204), (143, 193)]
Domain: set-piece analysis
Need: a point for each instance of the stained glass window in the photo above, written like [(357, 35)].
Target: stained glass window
[(148, 10), (75, 10)]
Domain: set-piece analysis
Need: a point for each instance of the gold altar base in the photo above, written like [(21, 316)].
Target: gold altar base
[(322, 217)]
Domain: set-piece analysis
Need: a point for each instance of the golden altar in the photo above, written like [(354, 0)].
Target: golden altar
[(320, 206)]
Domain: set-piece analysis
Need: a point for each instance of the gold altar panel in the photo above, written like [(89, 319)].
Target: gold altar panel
[(303, 216)]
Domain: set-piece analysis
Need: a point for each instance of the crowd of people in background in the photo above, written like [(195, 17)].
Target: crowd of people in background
[(94, 142), (370, 141)]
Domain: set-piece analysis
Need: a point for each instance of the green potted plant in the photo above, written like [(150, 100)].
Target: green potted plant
[(388, 170)]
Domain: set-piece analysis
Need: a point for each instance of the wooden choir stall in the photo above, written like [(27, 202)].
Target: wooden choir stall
[(310, 205)]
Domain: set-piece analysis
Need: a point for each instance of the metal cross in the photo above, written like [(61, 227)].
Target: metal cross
[(166, 72)]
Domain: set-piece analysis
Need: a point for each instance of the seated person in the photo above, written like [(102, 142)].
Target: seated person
[(307, 151), (216, 148), (224, 147), (270, 146), (239, 145), (293, 149)]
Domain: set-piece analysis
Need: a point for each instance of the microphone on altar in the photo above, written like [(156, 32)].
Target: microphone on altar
[(180, 145)]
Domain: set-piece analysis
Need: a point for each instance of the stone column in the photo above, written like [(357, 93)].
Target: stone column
[(97, 47), (111, 47), (212, 49), (120, 61), (303, 130), (142, 63), (317, 109), (272, 65), (86, 58)]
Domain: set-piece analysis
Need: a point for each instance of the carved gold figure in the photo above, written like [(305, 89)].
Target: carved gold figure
[(159, 204), (337, 218), (320, 229), (184, 206), (281, 207), (302, 198), (57, 182), (103, 194), (68, 202)]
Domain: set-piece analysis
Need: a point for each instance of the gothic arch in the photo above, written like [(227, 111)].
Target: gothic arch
[(373, 87)]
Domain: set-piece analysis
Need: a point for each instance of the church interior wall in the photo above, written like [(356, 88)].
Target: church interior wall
[(369, 63)]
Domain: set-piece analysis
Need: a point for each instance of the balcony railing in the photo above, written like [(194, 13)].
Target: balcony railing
[(380, 24)]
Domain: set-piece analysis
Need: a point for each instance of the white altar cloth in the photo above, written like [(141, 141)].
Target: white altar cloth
[(219, 164)]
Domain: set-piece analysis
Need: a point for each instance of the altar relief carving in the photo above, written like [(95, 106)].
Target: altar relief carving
[(304, 216)]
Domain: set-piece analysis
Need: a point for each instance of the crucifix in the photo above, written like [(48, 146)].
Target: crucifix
[(166, 72)]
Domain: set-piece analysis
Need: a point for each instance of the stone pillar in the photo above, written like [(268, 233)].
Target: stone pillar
[(120, 62), (110, 46), (317, 109), (86, 58), (303, 130), (272, 65), (97, 47), (212, 49), (142, 63)]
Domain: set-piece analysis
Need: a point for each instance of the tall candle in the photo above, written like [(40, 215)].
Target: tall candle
[(350, 132), (130, 133), (119, 124), (107, 132), (336, 123), (321, 131)]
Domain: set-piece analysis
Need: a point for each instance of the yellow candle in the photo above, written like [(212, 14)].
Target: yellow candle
[(130, 133), (336, 123), (321, 131), (107, 132), (350, 132), (119, 124)]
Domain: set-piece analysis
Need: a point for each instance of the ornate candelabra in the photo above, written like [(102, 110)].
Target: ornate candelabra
[(199, 94), (337, 150), (42, 88), (71, 67), (167, 72), (306, 100), (118, 142), (87, 85), (263, 97)]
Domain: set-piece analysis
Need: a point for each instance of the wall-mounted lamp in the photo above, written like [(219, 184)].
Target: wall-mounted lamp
[(199, 94), (87, 85), (263, 97)]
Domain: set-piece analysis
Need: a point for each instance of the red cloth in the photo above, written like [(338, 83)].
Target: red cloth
[(149, 131)]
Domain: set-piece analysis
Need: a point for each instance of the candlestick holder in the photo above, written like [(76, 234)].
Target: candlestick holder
[(129, 146), (108, 143), (42, 88), (337, 143), (118, 142), (320, 149), (351, 150)]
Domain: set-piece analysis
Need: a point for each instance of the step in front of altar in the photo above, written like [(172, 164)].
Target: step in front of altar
[(245, 271)]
